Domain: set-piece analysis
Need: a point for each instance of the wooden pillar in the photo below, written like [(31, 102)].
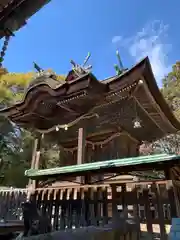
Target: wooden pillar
[(36, 157), (38, 152), (81, 149), (34, 153)]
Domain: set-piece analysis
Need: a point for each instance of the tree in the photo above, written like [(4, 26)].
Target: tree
[(171, 92), (171, 89), (15, 144)]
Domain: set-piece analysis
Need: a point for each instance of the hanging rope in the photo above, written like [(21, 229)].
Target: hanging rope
[(4, 49), (99, 143)]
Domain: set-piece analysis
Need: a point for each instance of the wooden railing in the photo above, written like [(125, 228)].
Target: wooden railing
[(10, 203), (97, 205)]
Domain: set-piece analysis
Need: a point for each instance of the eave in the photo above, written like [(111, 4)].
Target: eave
[(112, 100), (15, 13), (120, 166)]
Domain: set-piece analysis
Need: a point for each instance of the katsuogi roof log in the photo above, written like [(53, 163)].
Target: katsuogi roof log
[(14, 13), (115, 104)]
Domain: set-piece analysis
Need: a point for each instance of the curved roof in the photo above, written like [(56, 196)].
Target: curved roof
[(49, 79), (116, 101), (145, 68)]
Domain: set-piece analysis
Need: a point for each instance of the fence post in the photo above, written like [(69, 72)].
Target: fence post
[(175, 186)]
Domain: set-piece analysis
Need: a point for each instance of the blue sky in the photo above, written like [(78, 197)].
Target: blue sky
[(68, 29)]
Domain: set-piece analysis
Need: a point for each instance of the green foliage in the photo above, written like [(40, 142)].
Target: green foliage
[(171, 89), (171, 92), (50, 156), (16, 144), (12, 86)]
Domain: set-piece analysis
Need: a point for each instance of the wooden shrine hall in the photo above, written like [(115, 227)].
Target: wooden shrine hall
[(95, 121), (98, 127)]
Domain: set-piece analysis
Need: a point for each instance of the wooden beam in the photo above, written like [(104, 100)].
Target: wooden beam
[(81, 149), (36, 157), (81, 146), (38, 152), (34, 153)]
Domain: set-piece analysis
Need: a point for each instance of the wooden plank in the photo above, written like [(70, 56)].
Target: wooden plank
[(78, 209), (81, 146), (44, 202), (36, 157), (11, 207), (39, 196), (8, 204), (33, 160), (155, 188), (63, 197), (56, 209), (115, 214), (99, 205), (136, 212), (82, 215), (50, 199), (34, 153), (124, 203), (92, 213), (171, 196), (69, 208), (95, 206), (38, 151), (148, 212), (176, 187), (81, 149), (105, 205), (87, 207), (136, 204)]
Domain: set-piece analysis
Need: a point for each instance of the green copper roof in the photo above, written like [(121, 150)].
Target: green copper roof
[(95, 166)]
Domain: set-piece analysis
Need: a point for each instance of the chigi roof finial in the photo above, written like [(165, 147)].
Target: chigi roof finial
[(81, 69), (43, 73), (39, 69), (119, 67)]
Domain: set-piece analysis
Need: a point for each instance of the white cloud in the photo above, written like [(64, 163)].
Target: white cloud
[(150, 41), (116, 39)]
